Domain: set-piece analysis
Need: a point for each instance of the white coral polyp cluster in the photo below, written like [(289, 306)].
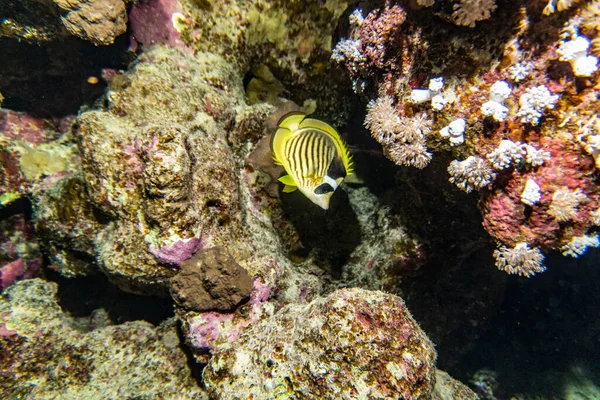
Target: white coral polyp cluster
[(575, 51), (433, 93), (495, 107), (533, 102), (532, 193), (507, 154), (536, 157), (521, 260), (579, 245), (403, 139), (454, 131), (520, 71), (382, 119), (472, 173), (565, 203), (348, 49), (591, 144)]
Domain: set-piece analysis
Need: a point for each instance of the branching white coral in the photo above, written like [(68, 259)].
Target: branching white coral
[(472, 173), (575, 51), (506, 154), (454, 131), (347, 49), (433, 93), (536, 157), (470, 11), (495, 106), (579, 244), (520, 71), (533, 102), (356, 18), (531, 193), (564, 204), (521, 260)]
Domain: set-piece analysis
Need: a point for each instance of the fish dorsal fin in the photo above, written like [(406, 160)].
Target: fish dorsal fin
[(291, 120), (288, 124), (340, 145), (289, 189), (287, 180)]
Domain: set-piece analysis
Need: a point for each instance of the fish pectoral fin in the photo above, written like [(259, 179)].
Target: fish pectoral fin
[(287, 180), (289, 189)]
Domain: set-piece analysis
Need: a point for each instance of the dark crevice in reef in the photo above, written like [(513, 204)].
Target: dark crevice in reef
[(546, 328), (53, 79), (80, 297), (195, 367), (19, 206)]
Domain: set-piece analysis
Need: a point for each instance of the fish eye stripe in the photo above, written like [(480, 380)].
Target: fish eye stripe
[(323, 188)]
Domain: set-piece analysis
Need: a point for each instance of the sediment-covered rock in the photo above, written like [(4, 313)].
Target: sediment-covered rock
[(352, 343)]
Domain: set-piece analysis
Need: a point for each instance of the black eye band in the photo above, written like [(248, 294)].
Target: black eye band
[(323, 188)]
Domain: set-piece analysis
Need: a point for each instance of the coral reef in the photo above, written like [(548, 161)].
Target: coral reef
[(511, 98), (378, 351), (46, 353)]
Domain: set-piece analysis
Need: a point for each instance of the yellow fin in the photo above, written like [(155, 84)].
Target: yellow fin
[(287, 180), (278, 142), (340, 145), (291, 120), (289, 189)]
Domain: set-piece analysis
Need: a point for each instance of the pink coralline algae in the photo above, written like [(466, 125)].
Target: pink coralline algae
[(20, 257), (510, 221), (209, 330), (151, 22), (177, 252)]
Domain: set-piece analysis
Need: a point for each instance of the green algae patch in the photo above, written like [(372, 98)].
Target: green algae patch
[(7, 198), (44, 160)]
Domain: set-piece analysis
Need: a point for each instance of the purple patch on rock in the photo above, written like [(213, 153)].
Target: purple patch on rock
[(151, 22), (17, 270), (178, 252)]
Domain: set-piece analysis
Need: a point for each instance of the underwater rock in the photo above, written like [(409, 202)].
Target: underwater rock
[(205, 331), (211, 281), (448, 388), (68, 225), (152, 22), (99, 21), (20, 257), (351, 343), (156, 164), (44, 355)]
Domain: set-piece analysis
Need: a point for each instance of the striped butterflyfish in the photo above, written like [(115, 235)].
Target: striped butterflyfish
[(313, 155)]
